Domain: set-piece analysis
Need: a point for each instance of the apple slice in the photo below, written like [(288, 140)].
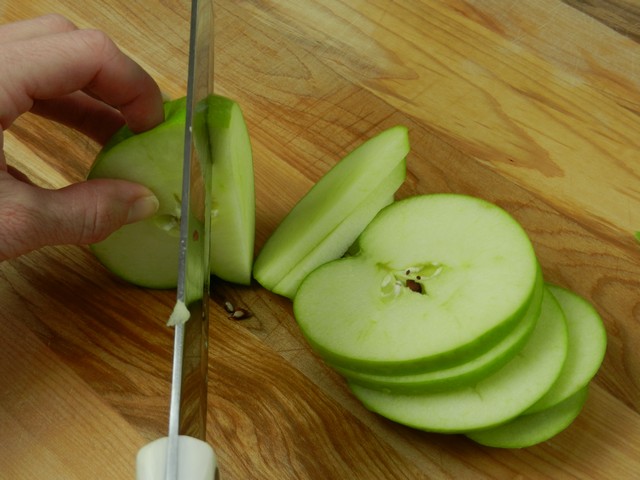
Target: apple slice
[(327, 220), (233, 217), (533, 428), (334, 244), (471, 263), (495, 399), (146, 253), (458, 375), (587, 346)]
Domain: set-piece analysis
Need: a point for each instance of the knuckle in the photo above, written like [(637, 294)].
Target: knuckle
[(56, 22), (98, 42), (98, 221), (18, 226)]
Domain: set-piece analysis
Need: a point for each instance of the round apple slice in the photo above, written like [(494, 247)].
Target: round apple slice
[(587, 345), (458, 375), (438, 280), (327, 220), (533, 428), (492, 401)]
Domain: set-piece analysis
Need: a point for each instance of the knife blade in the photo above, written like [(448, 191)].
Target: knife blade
[(186, 453), (187, 414)]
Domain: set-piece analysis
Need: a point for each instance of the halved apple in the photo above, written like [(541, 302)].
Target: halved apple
[(327, 220), (438, 280), (146, 253)]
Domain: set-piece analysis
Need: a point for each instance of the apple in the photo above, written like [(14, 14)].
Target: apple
[(146, 253), (460, 375), (327, 220), (533, 428), (436, 281), (493, 400)]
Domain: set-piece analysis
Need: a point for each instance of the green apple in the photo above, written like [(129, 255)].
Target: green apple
[(146, 253), (437, 281), (533, 428), (463, 374), (493, 400), (587, 346), (327, 220)]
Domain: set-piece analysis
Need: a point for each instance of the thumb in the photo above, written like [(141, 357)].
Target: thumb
[(87, 212)]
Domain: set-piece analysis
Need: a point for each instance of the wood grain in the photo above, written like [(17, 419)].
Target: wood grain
[(532, 105)]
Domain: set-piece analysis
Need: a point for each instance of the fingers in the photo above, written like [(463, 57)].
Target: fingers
[(35, 27), (87, 212), (82, 112), (57, 64), (3, 160)]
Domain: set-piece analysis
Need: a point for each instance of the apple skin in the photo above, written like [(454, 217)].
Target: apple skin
[(587, 347), (532, 428)]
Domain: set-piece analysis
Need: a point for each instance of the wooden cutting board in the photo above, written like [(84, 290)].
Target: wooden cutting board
[(533, 105)]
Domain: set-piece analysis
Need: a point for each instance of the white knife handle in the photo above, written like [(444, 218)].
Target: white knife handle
[(196, 460)]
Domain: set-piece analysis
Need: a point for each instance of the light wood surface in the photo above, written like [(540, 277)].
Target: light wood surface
[(533, 105)]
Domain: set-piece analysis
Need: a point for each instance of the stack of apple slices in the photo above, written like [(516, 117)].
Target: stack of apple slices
[(437, 315)]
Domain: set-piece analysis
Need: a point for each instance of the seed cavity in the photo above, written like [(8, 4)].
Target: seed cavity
[(411, 280)]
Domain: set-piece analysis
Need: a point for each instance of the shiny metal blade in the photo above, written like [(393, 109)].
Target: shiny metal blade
[(188, 407)]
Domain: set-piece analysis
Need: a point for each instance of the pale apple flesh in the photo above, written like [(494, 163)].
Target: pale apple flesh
[(461, 374)]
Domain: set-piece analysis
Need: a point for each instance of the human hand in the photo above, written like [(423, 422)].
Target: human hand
[(81, 79)]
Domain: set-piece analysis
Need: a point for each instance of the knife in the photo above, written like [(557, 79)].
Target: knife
[(184, 454)]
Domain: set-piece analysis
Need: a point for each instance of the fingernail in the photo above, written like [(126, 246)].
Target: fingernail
[(143, 208)]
